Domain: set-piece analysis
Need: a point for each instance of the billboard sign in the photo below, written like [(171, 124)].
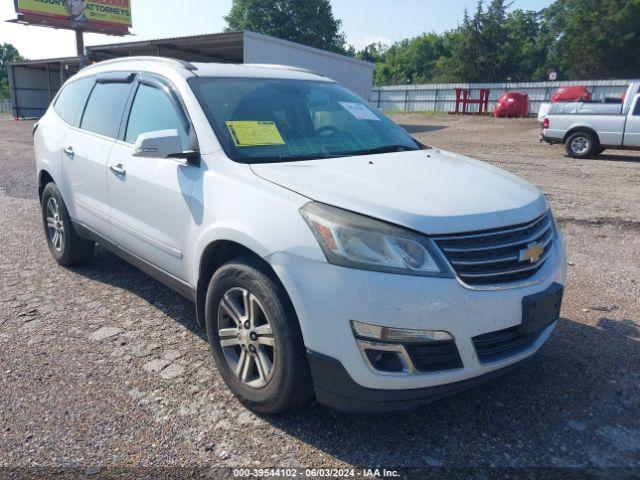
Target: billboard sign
[(101, 16)]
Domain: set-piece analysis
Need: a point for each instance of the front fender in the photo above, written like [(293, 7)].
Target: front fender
[(226, 232)]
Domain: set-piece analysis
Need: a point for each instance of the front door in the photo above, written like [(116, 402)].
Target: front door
[(632, 129), (150, 198)]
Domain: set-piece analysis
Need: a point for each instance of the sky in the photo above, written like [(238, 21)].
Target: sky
[(364, 22)]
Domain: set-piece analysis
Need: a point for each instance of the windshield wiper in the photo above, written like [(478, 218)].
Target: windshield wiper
[(287, 158), (322, 156), (384, 149)]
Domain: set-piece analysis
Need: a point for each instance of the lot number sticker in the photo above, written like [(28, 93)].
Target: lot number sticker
[(360, 111), (254, 134)]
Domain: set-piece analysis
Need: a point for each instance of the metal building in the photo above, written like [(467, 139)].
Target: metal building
[(34, 83)]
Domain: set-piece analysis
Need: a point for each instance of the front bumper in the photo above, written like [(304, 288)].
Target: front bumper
[(327, 297), (336, 389)]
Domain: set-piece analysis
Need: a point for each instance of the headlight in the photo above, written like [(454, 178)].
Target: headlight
[(357, 241)]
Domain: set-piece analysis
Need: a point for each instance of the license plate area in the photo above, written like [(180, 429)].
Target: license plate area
[(541, 309)]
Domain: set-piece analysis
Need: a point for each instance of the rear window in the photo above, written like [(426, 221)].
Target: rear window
[(72, 99), (104, 108)]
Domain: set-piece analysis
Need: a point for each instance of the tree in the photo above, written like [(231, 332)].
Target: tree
[(525, 51), (492, 44), (593, 38), (374, 53), (467, 62), (8, 53), (309, 22), (481, 52)]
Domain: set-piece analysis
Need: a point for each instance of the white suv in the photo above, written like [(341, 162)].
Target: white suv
[(328, 253)]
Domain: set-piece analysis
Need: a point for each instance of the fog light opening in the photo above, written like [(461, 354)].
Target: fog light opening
[(385, 361)]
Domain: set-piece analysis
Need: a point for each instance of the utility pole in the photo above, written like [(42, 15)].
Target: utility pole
[(80, 45)]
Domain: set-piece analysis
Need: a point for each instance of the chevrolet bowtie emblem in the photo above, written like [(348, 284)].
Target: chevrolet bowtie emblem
[(532, 253)]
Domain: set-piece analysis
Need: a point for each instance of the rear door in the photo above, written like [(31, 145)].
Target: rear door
[(69, 106), (87, 148), (150, 198), (632, 130)]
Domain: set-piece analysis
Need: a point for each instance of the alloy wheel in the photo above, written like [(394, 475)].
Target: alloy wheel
[(246, 337), (55, 227)]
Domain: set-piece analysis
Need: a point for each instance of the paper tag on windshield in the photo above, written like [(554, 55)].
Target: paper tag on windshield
[(254, 134), (359, 111)]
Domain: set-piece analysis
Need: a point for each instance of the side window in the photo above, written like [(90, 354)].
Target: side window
[(104, 109), (636, 111), (152, 110), (72, 99)]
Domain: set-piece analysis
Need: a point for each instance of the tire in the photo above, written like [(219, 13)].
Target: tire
[(581, 145), (65, 245), (599, 150), (267, 379)]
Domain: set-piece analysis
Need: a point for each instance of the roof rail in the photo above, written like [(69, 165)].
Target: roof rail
[(283, 67), (173, 61)]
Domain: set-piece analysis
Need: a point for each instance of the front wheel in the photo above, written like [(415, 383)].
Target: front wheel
[(255, 338), (581, 145), (66, 246)]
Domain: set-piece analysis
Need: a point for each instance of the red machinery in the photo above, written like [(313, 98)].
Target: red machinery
[(571, 94), (512, 104), (463, 101)]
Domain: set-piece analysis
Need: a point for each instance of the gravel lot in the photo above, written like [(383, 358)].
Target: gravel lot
[(103, 367)]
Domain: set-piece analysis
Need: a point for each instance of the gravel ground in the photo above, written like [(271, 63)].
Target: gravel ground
[(103, 367)]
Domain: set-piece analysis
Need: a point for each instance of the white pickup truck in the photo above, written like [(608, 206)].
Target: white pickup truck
[(588, 128)]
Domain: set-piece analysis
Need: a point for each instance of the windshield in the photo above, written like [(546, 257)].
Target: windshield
[(274, 120)]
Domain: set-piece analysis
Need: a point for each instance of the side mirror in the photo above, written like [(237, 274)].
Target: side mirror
[(162, 144)]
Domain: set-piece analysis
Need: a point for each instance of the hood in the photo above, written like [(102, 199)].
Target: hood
[(431, 191)]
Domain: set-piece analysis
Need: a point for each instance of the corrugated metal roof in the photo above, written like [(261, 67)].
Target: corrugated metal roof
[(43, 62), (218, 47), (180, 39)]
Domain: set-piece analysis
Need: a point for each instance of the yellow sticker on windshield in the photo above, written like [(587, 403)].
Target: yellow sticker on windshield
[(254, 134)]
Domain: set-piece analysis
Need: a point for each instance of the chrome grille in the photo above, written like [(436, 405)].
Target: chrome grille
[(494, 257)]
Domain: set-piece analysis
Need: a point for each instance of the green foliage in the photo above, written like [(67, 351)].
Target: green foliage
[(595, 38), (408, 61), (580, 39), (8, 53), (309, 22)]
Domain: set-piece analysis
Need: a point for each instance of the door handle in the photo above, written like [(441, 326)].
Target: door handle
[(69, 151), (118, 170)]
